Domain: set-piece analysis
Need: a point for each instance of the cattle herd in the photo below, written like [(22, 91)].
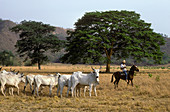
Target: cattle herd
[(74, 82)]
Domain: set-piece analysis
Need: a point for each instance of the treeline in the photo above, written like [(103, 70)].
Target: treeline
[(7, 58)]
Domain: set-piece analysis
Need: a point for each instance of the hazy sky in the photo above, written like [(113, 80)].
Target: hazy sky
[(64, 13)]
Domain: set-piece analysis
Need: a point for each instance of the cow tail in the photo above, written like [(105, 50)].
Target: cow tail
[(26, 82), (112, 78)]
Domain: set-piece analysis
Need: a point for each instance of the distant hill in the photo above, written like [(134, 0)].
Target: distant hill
[(8, 39)]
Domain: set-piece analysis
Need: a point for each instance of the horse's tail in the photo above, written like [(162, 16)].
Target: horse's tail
[(112, 78)]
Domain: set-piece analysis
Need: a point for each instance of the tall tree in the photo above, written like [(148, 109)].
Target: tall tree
[(100, 35), (35, 39)]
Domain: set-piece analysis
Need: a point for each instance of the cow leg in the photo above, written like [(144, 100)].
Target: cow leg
[(5, 89), (37, 88), (75, 92), (50, 90), (73, 88), (9, 91), (41, 89), (25, 85), (2, 90), (33, 92), (24, 88), (85, 87), (95, 91), (68, 88), (17, 89), (31, 87), (90, 87), (61, 91), (12, 91), (79, 89), (58, 88)]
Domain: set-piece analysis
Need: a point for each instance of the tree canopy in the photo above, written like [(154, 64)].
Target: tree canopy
[(100, 35), (35, 39)]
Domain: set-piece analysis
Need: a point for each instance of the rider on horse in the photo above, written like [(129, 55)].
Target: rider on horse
[(123, 68)]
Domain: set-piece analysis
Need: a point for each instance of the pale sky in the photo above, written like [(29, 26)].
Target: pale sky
[(64, 13)]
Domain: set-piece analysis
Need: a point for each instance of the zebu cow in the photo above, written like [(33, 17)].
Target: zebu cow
[(10, 80), (64, 80), (91, 79), (43, 80)]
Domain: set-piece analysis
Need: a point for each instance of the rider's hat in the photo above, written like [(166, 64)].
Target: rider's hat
[(124, 61)]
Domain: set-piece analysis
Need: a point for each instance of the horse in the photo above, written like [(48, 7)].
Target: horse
[(118, 75)]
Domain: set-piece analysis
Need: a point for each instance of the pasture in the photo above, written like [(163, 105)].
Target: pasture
[(150, 93)]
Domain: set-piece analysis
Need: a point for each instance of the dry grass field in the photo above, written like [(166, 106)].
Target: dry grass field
[(151, 92)]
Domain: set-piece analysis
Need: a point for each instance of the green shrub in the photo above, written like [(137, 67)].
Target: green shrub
[(150, 75)]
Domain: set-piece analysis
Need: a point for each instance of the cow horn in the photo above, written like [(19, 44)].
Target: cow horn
[(17, 72), (92, 68), (12, 70)]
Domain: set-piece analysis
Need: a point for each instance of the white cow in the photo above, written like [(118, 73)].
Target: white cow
[(64, 80), (43, 80), (29, 79), (10, 80), (91, 79)]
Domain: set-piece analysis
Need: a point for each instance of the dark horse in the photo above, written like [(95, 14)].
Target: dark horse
[(118, 76)]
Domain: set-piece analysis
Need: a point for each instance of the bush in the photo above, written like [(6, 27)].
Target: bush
[(6, 58), (150, 75)]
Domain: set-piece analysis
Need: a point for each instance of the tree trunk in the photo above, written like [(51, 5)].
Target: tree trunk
[(108, 54), (39, 66), (108, 66)]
